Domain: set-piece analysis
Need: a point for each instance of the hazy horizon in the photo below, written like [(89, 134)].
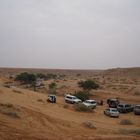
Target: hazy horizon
[(70, 34)]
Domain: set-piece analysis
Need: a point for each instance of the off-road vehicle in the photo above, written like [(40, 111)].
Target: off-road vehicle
[(90, 103), (137, 110), (51, 98), (113, 103), (72, 99), (125, 108)]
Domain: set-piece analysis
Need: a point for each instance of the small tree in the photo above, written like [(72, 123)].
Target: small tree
[(51, 76), (40, 75), (52, 88), (88, 85), (26, 78), (83, 95)]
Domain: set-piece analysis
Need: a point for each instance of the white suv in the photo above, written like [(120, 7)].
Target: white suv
[(72, 99), (90, 103)]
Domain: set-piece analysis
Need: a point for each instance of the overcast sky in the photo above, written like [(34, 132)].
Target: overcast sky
[(75, 34)]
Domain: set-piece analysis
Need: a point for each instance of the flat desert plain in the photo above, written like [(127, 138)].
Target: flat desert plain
[(26, 115)]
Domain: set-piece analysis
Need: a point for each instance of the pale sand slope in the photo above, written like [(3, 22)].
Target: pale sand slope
[(42, 120)]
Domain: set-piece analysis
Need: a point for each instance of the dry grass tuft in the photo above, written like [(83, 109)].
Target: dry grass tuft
[(126, 122), (130, 131), (40, 100), (17, 91), (9, 110), (82, 108), (65, 106), (89, 125)]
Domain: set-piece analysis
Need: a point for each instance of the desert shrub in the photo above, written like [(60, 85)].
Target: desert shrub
[(40, 100), (9, 110), (17, 91), (11, 114), (62, 75), (83, 95), (81, 107), (52, 88), (126, 122), (88, 85), (65, 106), (52, 85), (41, 75), (63, 86), (135, 131), (137, 93), (78, 75), (89, 125), (26, 78), (7, 86), (130, 131), (51, 76), (7, 105)]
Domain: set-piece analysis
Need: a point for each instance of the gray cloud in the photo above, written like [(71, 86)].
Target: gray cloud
[(70, 33)]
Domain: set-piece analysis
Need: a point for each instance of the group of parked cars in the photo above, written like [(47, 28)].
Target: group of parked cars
[(115, 108), (73, 99), (114, 105)]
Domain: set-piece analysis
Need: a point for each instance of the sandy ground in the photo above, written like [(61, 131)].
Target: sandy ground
[(39, 120)]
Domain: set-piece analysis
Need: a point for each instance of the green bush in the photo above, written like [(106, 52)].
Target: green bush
[(40, 75), (26, 78), (52, 85), (82, 108), (51, 76), (88, 85), (83, 95)]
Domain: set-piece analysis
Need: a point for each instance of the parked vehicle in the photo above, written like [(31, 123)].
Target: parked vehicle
[(72, 99), (113, 103), (137, 110), (125, 108), (112, 112), (90, 103), (51, 98)]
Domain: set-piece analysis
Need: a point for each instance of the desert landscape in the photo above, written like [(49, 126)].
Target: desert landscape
[(69, 70), (25, 114)]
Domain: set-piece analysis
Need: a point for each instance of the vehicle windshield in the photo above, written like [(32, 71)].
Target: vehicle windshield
[(127, 105), (137, 107), (93, 102), (114, 110), (74, 97)]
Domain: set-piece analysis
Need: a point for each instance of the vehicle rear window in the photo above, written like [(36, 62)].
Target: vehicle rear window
[(127, 105), (114, 110), (120, 105), (137, 107), (69, 97)]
